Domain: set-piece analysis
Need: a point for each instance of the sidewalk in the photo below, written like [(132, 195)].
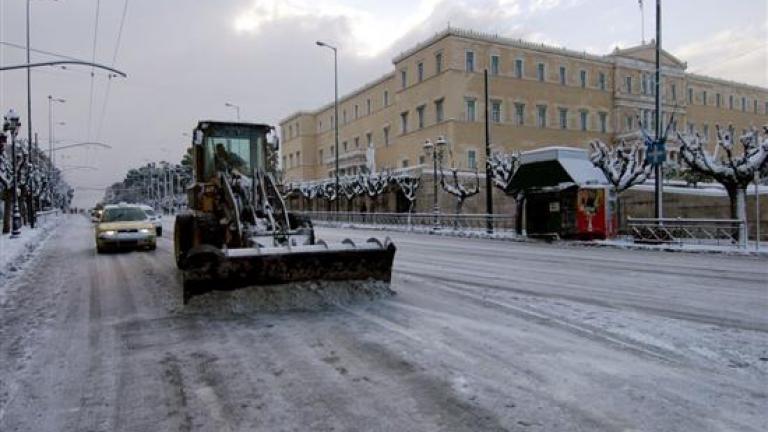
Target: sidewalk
[(16, 252)]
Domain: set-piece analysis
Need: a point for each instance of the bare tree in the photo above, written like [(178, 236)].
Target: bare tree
[(351, 188), (623, 165), (459, 189), (375, 185), (733, 170), (408, 186)]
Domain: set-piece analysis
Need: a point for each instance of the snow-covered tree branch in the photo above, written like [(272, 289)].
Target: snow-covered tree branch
[(503, 167), (623, 165)]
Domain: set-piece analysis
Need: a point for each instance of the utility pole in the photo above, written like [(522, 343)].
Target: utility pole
[(659, 144), (30, 205), (488, 180)]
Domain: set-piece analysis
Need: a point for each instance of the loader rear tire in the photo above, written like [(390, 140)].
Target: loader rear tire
[(183, 238)]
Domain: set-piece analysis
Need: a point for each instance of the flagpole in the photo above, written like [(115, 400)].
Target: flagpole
[(642, 21)]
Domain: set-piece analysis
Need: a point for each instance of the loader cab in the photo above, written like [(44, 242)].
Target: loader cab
[(230, 147)]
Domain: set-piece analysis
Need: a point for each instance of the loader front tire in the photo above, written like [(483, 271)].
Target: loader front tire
[(183, 238)]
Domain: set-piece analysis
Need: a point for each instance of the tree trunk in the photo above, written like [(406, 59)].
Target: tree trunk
[(459, 205), (738, 200), (7, 210)]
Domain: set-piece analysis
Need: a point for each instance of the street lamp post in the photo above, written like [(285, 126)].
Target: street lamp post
[(436, 152), (236, 107), (335, 115), (51, 100), (11, 124)]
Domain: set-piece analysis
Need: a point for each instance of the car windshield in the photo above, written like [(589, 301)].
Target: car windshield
[(124, 214), (150, 213)]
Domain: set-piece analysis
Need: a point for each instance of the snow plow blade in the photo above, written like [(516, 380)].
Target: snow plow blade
[(211, 269)]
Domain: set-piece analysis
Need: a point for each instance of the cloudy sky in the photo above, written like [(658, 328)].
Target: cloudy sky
[(186, 58)]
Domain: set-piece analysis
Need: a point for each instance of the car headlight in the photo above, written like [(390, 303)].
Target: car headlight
[(108, 233), (144, 231)]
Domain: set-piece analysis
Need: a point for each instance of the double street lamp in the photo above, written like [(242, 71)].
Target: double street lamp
[(436, 152), (335, 114), (11, 124)]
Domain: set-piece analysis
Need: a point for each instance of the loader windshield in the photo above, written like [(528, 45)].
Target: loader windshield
[(233, 149)]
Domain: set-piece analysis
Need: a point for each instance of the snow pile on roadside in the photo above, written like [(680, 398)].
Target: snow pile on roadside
[(445, 231), (15, 253), (298, 296)]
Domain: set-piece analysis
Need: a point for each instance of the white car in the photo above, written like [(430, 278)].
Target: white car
[(155, 218)]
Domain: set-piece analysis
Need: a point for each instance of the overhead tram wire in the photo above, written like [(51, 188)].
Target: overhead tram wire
[(114, 61), (93, 60)]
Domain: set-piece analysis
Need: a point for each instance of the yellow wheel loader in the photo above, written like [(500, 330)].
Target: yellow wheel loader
[(238, 231)]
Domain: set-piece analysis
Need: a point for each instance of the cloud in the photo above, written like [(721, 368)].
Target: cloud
[(735, 55)]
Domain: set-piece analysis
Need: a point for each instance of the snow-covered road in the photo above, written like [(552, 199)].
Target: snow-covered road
[(482, 335)]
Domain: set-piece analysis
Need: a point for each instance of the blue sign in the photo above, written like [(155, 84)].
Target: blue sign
[(656, 153)]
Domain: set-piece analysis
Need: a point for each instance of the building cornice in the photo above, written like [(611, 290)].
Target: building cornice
[(725, 82), (496, 39)]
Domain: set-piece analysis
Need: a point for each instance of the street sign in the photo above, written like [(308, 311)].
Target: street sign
[(656, 153)]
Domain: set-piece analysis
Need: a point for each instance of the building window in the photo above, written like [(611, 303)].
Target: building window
[(470, 105), (518, 68), (357, 112), (290, 160), (298, 158), (438, 63), (766, 107), (345, 146), (386, 98), (583, 78), (333, 122), (717, 100), (542, 115), (691, 129), (386, 136), (496, 111), (404, 122), (404, 163), (562, 75), (439, 115), (743, 103), (494, 65), (644, 83), (630, 123), (540, 71), (706, 131), (470, 61), (320, 155), (519, 114), (368, 106), (584, 116), (628, 84), (755, 106), (563, 118), (690, 96), (603, 122), (368, 139), (357, 142), (601, 80), (422, 160), (704, 97), (471, 159), (403, 79), (420, 71), (730, 101), (420, 113), (344, 117)]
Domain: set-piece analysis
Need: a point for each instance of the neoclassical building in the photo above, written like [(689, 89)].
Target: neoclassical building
[(539, 96)]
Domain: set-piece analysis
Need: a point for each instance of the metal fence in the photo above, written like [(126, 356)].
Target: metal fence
[(694, 231), (419, 221), (45, 215)]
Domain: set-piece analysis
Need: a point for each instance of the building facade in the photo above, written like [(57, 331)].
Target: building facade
[(539, 96)]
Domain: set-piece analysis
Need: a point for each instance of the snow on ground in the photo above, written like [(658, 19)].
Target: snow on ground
[(16, 252), (482, 335)]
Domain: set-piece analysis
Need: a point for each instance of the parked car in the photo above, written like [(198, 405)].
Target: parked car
[(155, 218), (124, 226)]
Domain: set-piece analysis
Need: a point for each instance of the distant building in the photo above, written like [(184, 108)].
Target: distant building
[(539, 96)]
